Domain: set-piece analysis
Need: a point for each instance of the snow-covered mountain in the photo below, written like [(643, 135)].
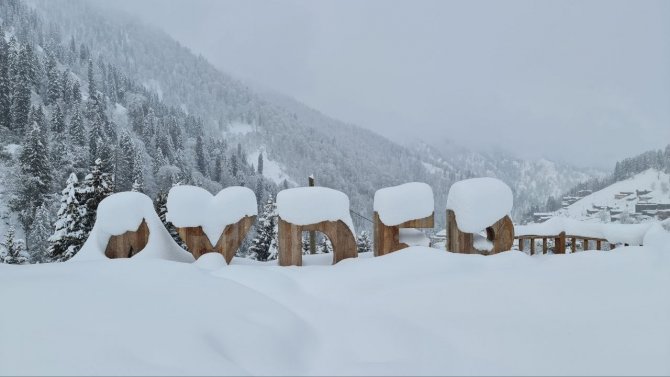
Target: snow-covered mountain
[(636, 199), (532, 181), (178, 119)]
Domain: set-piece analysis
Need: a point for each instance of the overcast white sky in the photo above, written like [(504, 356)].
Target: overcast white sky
[(586, 82)]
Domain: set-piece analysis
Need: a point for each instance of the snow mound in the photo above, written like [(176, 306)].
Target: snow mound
[(398, 204), (632, 234), (417, 311), (479, 202), (123, 212), (210, 261), (310, 205), (191, 206)]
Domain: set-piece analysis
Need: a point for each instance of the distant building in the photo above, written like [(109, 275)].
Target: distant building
[(540, 217)]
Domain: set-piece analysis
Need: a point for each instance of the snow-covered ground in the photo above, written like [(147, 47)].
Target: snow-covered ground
[(657, 182), (272, 170), (415, 311)]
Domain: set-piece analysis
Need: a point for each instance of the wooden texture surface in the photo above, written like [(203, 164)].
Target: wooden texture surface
[(387, 238), (290, 240), (501, 234), (229, 241), (129, 243)]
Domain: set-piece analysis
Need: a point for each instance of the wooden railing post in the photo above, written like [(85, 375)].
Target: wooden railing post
[(532, 246), (544, 245)]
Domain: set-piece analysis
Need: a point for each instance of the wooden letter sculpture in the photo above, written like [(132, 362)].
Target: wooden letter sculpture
[(478, 201), (202, 219), (129, 243), (393, 206), (500, 234), (327, 212), (233, 234)]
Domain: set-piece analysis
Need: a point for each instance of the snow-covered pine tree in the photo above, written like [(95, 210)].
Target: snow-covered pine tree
[(5, 84), (263, 246), (21, 94), (69, 233), (305, 243), (125, 167), (59, 159), (138, 173), (34, 185), (200, 155), (260, 163), (363, 242), (94, 188), (77, 149), (218, 169), (324, 246), (12, 252), (54, 87), (39, 234)]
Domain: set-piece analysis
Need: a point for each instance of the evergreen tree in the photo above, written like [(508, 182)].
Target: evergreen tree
[(234, 168), (76, 131), (363, 242), (65, 91), (70, 232), (54, 87), (260, 163), (22, 88), (94, 188), (126, 163), (12, 252), (59, 158), (76, 93), (5, 84), (92, 92), (263, 247), (200, 155), (324, 246), (39, 234), (218, 167), (35, 178)]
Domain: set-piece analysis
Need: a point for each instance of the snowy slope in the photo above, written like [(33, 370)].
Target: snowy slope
[(653, 180), (416, 311)]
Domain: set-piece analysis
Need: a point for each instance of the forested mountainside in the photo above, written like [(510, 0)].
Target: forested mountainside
[(532, 181), (123, 106), (76, 127)]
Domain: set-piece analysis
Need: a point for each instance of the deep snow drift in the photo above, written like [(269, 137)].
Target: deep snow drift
[(415, 311)]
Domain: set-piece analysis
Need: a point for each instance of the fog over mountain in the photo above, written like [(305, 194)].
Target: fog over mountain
[(529, 77)]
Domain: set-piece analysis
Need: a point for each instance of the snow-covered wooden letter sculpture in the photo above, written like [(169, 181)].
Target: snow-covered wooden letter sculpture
[(314, 209), (476, 207), (405, 206), (209, 223), (127, 226)]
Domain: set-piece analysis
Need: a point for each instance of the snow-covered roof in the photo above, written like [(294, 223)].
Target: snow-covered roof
[(398, 204), (191, 206), (479, 202), (311, 205)]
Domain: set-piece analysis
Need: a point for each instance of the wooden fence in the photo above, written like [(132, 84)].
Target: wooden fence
[(560, 242)]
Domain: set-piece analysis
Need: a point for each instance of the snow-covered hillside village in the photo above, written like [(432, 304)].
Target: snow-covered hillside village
[(173, 203)]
